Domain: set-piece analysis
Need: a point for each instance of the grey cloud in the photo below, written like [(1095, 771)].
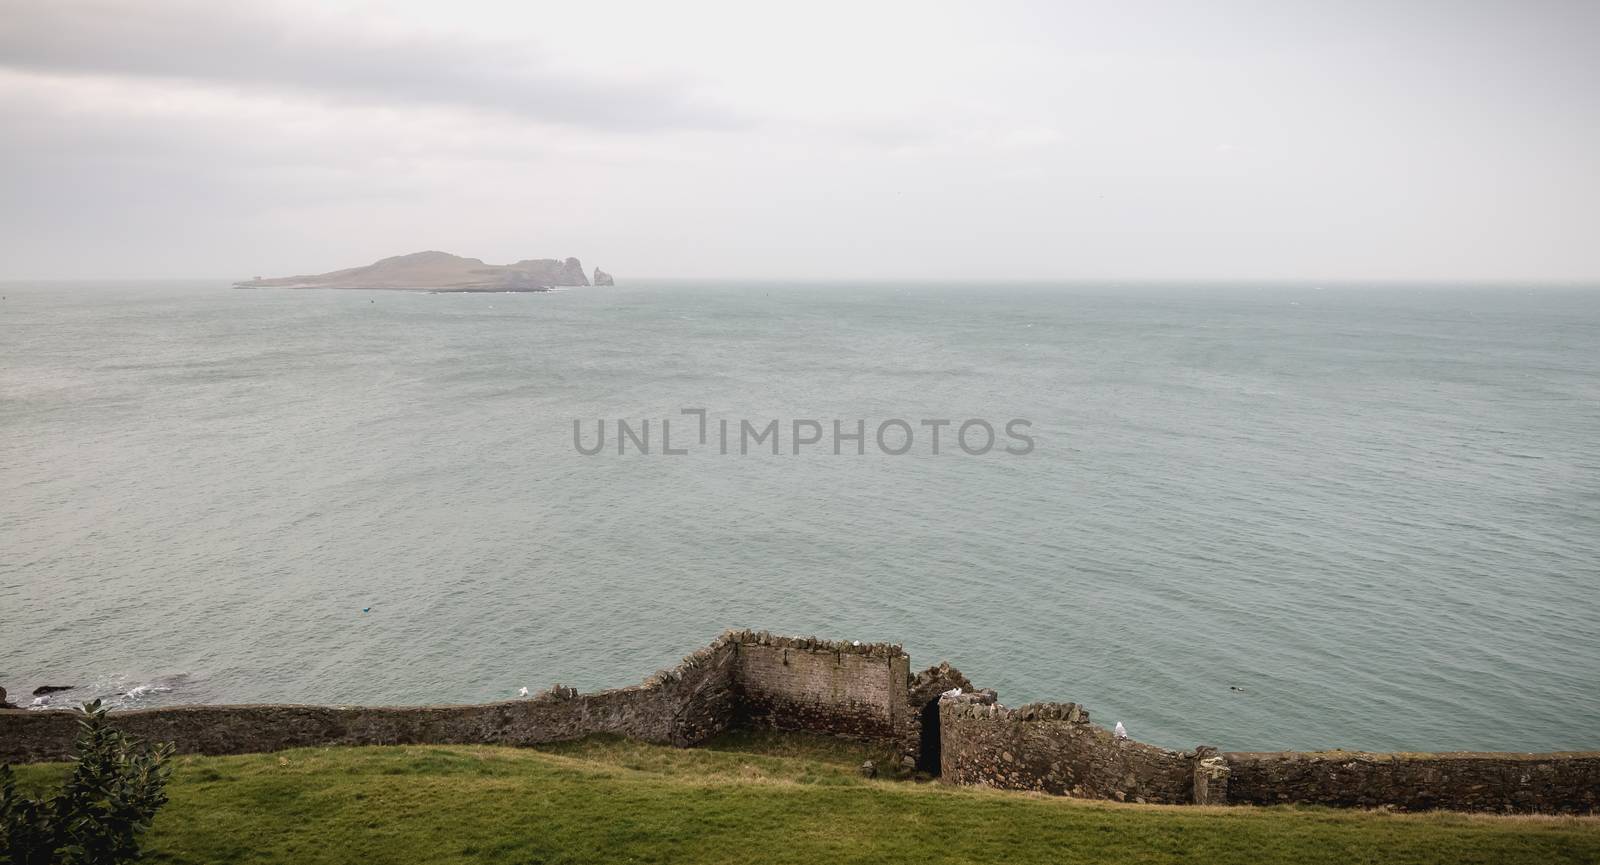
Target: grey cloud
[(224, 43)]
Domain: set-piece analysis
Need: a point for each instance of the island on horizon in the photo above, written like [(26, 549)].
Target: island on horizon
[(441, 271)]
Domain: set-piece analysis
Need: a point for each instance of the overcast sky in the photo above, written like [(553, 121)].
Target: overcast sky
[(1273, 139)]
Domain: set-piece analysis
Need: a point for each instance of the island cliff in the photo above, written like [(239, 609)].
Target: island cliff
[(602, 278), (440, 271)]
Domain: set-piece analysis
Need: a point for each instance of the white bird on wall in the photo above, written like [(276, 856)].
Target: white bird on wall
[(1121, 732), (523, 692)]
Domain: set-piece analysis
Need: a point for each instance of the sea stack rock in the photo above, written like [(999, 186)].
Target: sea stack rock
[(603, 278), (572, 273)]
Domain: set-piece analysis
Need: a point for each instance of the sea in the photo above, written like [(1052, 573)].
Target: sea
[(1255, 516)]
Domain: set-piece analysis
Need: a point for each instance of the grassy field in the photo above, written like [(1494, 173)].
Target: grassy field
[(748, 799)]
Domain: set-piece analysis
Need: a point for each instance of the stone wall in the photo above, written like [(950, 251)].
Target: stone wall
[(743, 678), (857, 690), (1562, 783), (683, 706), (1052, 748), (922, 696)]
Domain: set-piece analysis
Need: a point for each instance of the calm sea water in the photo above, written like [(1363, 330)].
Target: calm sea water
[(1375, 510)]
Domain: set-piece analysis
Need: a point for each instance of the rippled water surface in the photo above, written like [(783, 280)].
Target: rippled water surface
[(1375, 510)]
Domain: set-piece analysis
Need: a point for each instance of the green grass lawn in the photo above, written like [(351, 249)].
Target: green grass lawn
[(748, 799)]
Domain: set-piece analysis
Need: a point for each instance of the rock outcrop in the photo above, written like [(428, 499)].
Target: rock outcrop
[(603, 278), (552, 272), (439, 271)]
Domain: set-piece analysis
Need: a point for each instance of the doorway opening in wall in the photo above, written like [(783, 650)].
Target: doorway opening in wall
[(928, 753)]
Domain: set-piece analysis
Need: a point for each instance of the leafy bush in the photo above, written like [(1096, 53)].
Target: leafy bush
[(116, 787)]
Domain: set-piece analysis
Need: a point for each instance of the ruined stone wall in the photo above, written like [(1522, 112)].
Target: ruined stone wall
[(924, 689), (1562, 783), (743, 678), (1052, 748), (802, 683), (682, 706), (865, 691)]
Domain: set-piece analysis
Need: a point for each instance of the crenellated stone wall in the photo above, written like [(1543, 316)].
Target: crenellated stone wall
[(866, 691)]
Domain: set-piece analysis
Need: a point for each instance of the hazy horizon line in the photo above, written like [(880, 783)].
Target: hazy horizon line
[(1587, 282)]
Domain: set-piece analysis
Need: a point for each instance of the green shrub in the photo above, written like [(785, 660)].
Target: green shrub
[(116, 786)]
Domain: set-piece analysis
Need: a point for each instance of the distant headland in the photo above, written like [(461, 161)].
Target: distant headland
[(441, 271)]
